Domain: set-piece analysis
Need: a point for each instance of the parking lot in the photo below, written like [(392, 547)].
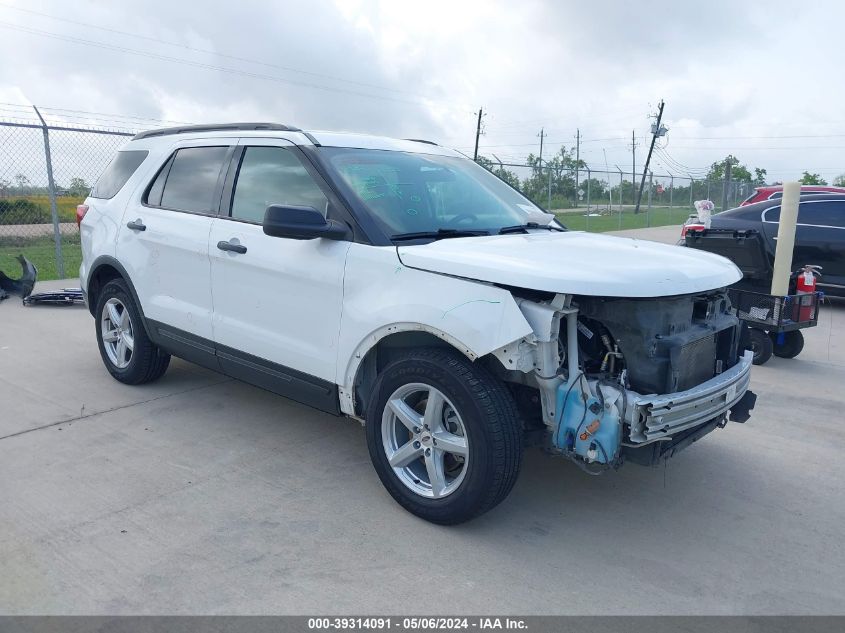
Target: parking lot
[(200, 494)]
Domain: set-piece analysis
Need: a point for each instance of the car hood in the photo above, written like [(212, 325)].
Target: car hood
[(575, 262)]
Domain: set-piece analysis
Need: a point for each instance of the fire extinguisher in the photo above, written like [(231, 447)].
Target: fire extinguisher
[(805, 284)]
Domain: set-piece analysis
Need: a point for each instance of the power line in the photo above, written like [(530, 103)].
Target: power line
[(194, 64), (730, 138), (661, 151), (204, 51), (116, 116), (752, 149)]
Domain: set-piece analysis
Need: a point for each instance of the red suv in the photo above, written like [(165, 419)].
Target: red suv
[(776, 191)]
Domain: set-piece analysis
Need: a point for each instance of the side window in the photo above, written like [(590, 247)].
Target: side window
[(157, 188), (771, 215), (117, 173), (191, 181), (776, 195), (273, 175), (828, 213)]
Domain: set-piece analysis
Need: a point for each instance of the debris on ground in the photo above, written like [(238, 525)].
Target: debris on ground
[(65, 296), (23, 286)]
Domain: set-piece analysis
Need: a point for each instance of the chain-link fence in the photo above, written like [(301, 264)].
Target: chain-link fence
[(600, 200), (45, 171)]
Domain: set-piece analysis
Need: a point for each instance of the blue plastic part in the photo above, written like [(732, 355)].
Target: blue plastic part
[(574, 418), (781, 338)]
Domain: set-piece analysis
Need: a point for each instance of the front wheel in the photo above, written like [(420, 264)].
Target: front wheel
[(444, 436), (761, 346)]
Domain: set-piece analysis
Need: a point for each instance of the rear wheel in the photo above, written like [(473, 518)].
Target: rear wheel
[(444, 436), (761, 346), (793, 343), (127, 351)]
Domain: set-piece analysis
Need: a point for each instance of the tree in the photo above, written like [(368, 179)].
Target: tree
[(22, 182), (498, 170), (812, 179), (556, 173), (78, 187), (839, 181), (717, 169), (739, 173)]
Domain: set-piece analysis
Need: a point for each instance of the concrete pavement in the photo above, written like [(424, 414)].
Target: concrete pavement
[(666, 234), (199, 494)]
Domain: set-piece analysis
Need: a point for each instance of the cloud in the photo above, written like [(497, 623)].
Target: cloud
[(422, 69)]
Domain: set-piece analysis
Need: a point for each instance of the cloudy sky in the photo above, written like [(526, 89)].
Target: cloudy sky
[(760, 80)]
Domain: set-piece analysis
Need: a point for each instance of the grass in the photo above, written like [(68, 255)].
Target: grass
[(41, 252), (657, 216), (65, 206)]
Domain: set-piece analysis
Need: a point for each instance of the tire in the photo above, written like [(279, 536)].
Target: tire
[(469, 411), (793, 343), (761, 345), (126, 350)]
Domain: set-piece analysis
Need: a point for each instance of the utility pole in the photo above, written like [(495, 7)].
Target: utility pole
[(541, 135), (578, 163), (477, 134), (726, 184), (656, 131), (633, 162)]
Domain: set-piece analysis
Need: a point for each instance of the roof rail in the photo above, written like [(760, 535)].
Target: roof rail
[(421, 140), (216, 127)]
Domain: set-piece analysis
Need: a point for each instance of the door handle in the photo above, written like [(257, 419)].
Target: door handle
[(137, 225), (234, 248)]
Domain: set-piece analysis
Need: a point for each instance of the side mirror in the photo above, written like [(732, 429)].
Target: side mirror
[(301, 223)]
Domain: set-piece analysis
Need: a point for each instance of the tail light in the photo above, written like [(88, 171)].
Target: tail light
[(81, 210), (690, 227)]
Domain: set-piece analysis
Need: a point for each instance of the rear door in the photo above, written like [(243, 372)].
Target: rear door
[(163, 243), (277, 301), (819, 237)]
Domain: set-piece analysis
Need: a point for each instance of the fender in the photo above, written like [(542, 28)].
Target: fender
[(107, 260), (382, 297)]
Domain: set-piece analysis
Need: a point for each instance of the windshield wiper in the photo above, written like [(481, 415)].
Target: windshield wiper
[(439, 234), (523, 228)]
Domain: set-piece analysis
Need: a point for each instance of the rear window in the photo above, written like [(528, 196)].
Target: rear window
[(117, 173)]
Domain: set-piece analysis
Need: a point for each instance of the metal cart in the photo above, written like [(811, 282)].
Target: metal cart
[(774, 322)]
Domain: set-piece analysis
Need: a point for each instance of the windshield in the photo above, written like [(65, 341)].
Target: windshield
[(410, 193)]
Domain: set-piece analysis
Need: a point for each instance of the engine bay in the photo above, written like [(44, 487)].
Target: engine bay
[(632, 379)]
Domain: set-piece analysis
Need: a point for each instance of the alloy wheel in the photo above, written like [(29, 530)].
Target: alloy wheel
[(117, 333), (425, 440)]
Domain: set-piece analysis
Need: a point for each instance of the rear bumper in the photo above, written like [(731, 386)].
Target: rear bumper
[(655, 418)]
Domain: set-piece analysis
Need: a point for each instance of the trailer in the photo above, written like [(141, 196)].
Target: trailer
[(774, 321)]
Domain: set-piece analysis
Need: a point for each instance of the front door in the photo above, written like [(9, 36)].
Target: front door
[(277, 301)]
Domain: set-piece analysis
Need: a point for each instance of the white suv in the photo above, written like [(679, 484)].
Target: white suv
[(401, 284)]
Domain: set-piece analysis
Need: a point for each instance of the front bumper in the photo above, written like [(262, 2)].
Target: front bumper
[(658, 417)]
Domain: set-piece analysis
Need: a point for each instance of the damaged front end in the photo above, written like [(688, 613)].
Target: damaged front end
[(631, 379)]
